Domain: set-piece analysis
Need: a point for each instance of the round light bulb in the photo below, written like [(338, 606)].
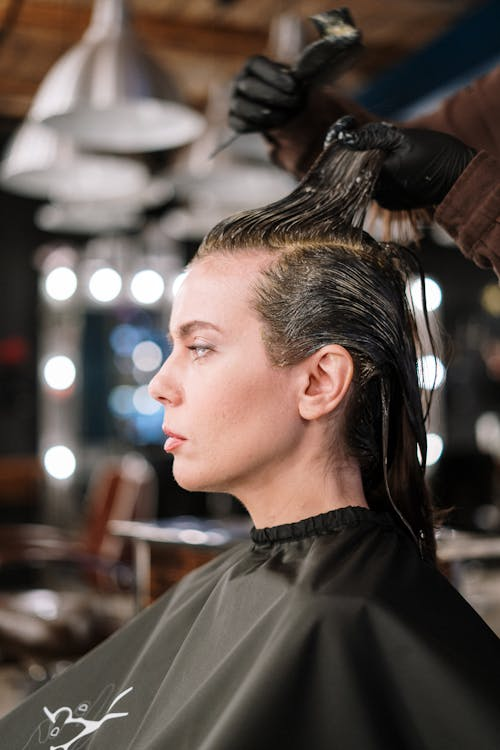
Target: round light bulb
[(147, 286), (105, 284), (435, 447), (433, 294), (61, 283), (431, 372), (177, 282), (59, 372), (59, 462)]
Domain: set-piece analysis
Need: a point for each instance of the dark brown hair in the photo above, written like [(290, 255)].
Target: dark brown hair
[(333, 283)]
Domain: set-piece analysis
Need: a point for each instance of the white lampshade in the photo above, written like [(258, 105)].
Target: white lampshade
[(108, 94), (106, 214), (86, 218), (39, 163)]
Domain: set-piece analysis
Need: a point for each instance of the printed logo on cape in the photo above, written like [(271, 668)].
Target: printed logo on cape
[(67, 728)]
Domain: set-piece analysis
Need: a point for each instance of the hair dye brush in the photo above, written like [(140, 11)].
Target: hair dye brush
[(338, 47), (335, 51)]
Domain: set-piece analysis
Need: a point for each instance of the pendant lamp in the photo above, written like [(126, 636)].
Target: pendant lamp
[(86, 219), (107, 214), (39, 163), (108, 94)]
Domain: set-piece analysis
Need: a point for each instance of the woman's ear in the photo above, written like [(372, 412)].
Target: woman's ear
[(328, 375)]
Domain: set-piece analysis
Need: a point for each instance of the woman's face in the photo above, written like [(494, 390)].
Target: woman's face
[(231, 418)]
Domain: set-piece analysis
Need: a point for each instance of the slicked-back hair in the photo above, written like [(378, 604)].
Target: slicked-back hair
[(330, 282)]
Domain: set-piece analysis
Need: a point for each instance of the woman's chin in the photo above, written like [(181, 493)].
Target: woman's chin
[(192, 483)]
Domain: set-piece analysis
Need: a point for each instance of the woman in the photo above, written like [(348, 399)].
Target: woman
[(292, 384)]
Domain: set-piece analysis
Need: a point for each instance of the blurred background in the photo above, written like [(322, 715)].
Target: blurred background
[(100, 211)]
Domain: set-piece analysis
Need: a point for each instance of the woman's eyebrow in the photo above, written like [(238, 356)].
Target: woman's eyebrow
[(184, 330)]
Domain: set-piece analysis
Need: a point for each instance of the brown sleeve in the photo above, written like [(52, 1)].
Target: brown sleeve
[(472, 114), (470, 213)]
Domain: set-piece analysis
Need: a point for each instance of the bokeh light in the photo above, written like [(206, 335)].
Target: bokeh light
[(121, 400), (433, 294), (431, 372), (59, 462), (147, 356), (490, 300), (61, 283), (59, 372), (143, 402), (124, 338), (177, 282), (105, 284), (147, 286), (435, 446), (487, 431)]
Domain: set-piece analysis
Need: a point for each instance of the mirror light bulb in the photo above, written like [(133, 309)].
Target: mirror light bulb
[(178, 281), (59, 462), (105, 284), (61, 283), (431, 372), (435, 446), (147, 286), (433, 294), (59, 372)]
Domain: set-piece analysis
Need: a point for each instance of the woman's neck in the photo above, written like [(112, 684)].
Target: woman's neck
[(298, 494)]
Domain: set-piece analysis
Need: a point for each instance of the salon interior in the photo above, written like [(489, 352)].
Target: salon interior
[(110, 114)]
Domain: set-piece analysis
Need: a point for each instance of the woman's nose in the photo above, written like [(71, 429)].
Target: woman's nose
[(163, 387)]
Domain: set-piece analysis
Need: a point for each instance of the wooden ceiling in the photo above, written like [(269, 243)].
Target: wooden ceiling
[(203, 42)]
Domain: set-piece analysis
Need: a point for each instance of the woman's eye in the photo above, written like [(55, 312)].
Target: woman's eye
[(199, 350)]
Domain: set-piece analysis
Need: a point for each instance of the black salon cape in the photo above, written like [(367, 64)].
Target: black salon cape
[(327, 633)]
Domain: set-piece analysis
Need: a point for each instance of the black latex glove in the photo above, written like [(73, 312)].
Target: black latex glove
[(421, 165), (265, 95)]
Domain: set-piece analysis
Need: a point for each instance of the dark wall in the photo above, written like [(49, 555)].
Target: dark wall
[(18, 315)]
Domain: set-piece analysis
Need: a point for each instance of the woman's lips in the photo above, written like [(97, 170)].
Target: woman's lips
[(173, 441)]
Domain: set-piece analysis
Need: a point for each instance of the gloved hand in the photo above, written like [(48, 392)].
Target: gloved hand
[(265, 95), (421, 165)]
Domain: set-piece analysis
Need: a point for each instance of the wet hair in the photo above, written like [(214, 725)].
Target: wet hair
[(331, 282)]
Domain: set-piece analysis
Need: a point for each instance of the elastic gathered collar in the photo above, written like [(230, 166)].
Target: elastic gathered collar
[(319, 525)]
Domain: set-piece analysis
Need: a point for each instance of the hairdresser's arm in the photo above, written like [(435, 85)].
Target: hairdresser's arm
[(471, 114), (470, 212)]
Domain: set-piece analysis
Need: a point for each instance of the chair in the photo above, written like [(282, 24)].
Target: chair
[(87, 572)]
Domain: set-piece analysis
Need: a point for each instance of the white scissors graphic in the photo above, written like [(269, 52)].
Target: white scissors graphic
[(86, 726)]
